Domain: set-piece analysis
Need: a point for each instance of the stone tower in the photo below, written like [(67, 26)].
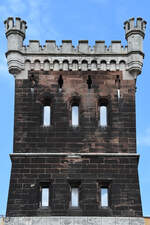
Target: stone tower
[(74, 159)]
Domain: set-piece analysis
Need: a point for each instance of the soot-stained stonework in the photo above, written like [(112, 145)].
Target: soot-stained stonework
[(118, 136), (118, 173)]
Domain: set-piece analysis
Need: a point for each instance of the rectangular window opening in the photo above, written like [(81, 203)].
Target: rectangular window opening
[(104, 197), (45, 197), (75, 116), (47, 116), (103, 116), (74, 197)]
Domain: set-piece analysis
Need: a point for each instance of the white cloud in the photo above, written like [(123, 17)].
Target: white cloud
[(36, 13), (17, 6), (3, 68), (144, 139)]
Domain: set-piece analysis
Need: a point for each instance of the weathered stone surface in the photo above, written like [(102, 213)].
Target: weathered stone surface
[(74, 221), (89, 156), (34, 56), (72, 148)]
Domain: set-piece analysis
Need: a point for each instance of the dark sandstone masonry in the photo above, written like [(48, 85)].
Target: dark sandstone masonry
[(119, 173), (31, 136)]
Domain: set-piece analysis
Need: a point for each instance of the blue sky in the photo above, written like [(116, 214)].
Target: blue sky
[(75, 20)]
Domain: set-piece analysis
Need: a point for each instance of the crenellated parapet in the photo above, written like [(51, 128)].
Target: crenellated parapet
[(83, 47), (82, 57)]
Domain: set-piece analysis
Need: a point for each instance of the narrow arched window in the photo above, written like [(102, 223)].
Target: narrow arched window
[(104, 197), (103, 116), (46, 115), (75, 115), (74, 197), (45, 197)]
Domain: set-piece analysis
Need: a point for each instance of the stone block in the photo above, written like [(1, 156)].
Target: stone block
[(136, 221), (80, 220), (109, 220), (93, 220), (66, 221), (122, 221)]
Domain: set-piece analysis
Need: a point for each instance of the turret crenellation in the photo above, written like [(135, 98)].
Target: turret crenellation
[(134, 33), (15, 26), (15, 33), (135, 26)]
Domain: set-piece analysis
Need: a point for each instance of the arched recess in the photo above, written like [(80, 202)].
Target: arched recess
[(112, 65), (84, 65), (65, 65), (56, 66), (122, 65), (37, 65), (28, 65), (75, 65), (46, 65), (94, 65), (103, 65)]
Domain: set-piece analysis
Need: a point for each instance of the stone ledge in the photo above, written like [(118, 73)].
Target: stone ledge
[(73, 221), (74, 154)]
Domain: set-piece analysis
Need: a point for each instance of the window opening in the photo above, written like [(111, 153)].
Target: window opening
[(74, 197), (60, 82), (117, 81), (47, 116), (75, 116), (104, 197), (45, 197), (103, 116), (89, 82)]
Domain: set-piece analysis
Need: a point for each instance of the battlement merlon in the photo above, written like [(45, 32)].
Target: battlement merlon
[(98, 57)]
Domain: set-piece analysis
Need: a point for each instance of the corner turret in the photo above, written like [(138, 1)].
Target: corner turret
[(15, 33), (134, 34)]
